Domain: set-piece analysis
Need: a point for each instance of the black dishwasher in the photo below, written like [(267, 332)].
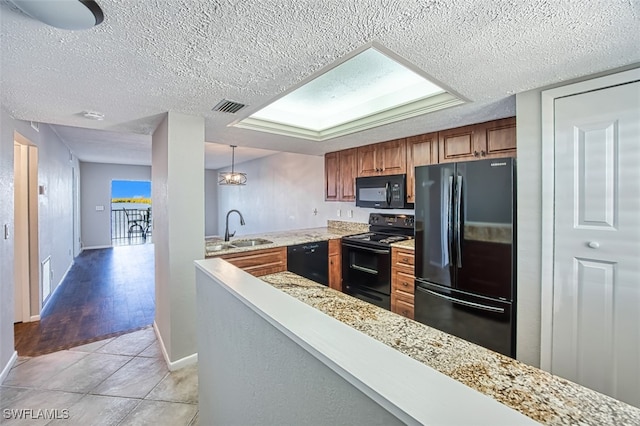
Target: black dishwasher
[(310, 260)]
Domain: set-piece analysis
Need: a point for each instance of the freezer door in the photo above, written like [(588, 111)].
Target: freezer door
[(478, 320), (483, 228), (435, 259)]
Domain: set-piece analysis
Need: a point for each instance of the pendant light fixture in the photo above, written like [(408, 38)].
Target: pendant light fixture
[(232, 177)]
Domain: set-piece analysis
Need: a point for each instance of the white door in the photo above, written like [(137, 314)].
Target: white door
[(596, 277)]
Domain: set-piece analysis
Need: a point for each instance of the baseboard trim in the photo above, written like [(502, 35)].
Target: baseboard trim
[(174, 365), (34, 318), (96, 247), (8, 367)]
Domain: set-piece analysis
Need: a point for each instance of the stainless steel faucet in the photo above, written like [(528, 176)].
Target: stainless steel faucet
[(227, 235)]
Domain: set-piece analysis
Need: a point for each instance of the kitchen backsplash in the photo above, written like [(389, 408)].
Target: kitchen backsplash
[(348, 226)]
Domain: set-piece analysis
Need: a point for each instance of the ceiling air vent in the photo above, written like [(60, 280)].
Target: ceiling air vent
[(228, 106)]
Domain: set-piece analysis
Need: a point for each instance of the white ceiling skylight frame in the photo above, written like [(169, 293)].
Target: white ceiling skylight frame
[(370, 87)]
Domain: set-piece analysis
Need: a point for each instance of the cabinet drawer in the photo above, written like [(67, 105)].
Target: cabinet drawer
[(403, 282), (404, 258), (260, 262), (402, 306)]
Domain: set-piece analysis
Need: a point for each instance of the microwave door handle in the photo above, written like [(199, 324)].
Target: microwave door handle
[(387, 187)]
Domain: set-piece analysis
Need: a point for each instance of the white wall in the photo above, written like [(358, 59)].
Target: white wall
[(177, 188), (96, 191), (55, 206), (529, 178), (6, 245), (211, 203), (55, 216), (281, 193)]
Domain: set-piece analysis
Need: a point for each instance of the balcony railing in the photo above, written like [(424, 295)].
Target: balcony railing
[(131, 226)]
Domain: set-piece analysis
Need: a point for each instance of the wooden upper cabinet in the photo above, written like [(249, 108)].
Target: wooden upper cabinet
[(394, 156), (499, 137), (340, 171), (331, 176), (422, 150), (457, 144), (386, 158), (485, 140), (348, 166)]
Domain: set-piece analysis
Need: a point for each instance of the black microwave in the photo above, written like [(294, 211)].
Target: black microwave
[(382, 192)]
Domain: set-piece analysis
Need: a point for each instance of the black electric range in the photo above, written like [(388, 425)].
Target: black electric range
[(366, 258)]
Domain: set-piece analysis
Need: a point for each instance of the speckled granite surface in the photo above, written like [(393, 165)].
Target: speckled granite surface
[(406, 244), (537, 394), (336, 229)]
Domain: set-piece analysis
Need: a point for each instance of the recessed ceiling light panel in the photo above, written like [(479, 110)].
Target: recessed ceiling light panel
[(368, 90)]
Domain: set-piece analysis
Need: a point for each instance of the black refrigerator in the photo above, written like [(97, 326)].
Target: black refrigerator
[(465, 251)]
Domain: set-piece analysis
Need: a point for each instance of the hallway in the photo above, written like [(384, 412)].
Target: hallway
[(107, 292)]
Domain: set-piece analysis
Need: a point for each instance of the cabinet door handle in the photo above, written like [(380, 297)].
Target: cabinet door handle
[(476, 154), (483, 153)]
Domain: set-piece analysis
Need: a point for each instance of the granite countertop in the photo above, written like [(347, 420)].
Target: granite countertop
[(406, 244), (537, 394), (333, 230)]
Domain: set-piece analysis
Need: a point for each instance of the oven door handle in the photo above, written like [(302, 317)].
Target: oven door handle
[(363, 269), (372, 250)]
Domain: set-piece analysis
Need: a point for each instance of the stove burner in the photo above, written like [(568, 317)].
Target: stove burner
[(393, 239), (378, 238)]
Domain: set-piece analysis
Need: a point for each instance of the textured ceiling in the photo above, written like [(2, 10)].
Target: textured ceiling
[(149, 57)]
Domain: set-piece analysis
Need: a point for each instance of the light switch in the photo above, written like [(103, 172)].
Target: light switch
[(99, 208)]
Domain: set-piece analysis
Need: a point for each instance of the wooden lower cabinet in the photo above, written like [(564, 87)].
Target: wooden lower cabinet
[(260, 262), (402, 281), (335, 264)]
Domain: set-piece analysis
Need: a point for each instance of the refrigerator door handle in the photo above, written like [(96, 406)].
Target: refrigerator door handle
[(450, 214), (464, 302), (458, 217)]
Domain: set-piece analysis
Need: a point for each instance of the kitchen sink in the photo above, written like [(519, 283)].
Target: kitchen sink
[(250, 243), (219, 246)]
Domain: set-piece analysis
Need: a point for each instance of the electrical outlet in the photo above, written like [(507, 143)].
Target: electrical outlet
[(339, 213)]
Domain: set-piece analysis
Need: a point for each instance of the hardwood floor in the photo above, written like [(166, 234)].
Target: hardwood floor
[(107, 292)]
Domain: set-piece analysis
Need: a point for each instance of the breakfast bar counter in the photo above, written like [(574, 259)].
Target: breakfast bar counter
[(281, 349), (537, 394)]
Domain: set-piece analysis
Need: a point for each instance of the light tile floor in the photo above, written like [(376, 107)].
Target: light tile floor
[(120, 381)]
